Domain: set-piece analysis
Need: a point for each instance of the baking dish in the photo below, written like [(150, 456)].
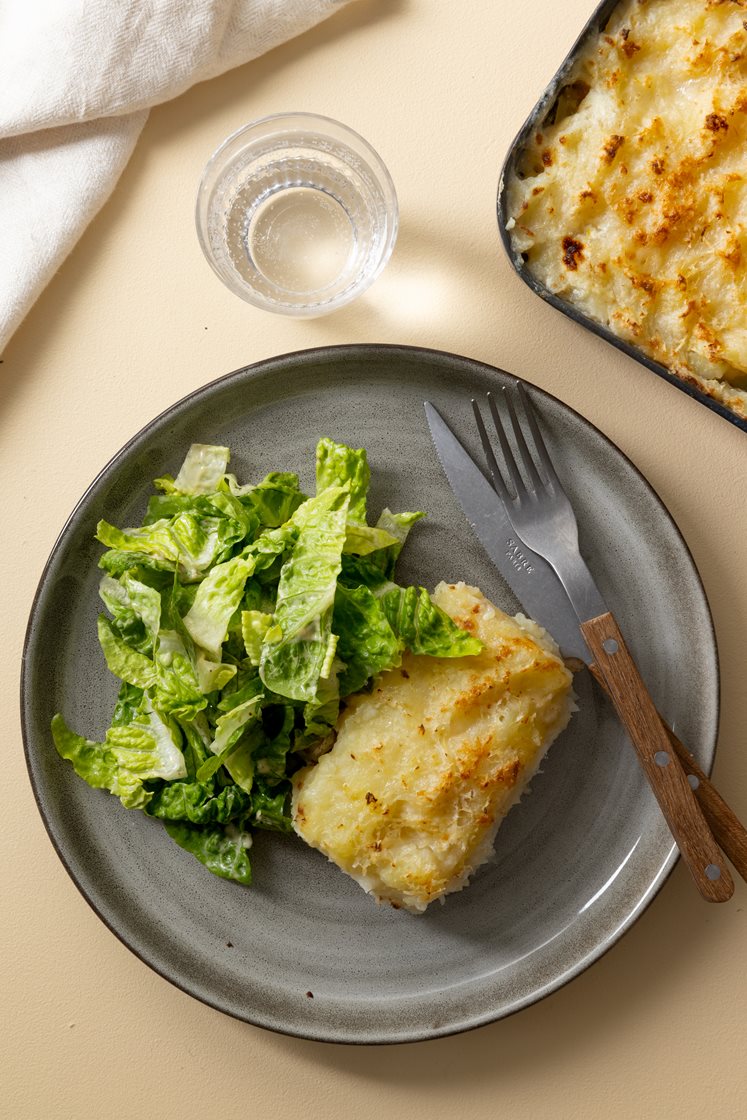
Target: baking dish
[(541, 115)]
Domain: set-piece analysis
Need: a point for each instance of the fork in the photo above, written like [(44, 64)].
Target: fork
[(543, 518)]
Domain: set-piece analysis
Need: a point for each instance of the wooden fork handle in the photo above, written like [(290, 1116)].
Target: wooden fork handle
[(728, 830), (660, 764)]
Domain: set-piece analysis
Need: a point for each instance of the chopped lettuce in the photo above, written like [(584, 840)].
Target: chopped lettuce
[(274, 500), (367, 644), (423, 627), (177, 688), (269, 808), (254, 627), (362, 540), (202, 470), (198, 803), (217, 598), (338, 465), (131, 755), (230, 726), (293, 665), (221, 848), (239, 617), (398, 525), (123, 660)]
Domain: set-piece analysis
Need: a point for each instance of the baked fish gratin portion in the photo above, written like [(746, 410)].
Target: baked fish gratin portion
[(632, 204), (425, 766)]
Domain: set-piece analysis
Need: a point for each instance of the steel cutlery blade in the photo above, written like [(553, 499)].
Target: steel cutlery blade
[(531, 578)]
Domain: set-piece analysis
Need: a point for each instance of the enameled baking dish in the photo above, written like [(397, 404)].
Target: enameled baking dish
[(542, 114)]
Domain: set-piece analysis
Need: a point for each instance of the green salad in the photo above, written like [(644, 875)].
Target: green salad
[(239, 618)]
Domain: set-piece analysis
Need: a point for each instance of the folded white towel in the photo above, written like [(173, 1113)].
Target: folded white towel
[(77, 79)]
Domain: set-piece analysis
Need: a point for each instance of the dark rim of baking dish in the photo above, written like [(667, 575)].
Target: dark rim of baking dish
[(257, 368), (597, 23)]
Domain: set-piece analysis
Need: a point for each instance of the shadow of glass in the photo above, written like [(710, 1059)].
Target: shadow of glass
[(431, 271)]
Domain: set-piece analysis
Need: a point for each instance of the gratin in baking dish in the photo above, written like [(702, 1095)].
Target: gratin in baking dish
[(544, 115)]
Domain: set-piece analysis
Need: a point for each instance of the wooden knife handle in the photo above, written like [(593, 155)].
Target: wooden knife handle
[(730, 833), (660, 763)]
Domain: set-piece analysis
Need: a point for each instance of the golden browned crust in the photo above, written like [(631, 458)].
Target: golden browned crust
[(636, 210), (426, 766)]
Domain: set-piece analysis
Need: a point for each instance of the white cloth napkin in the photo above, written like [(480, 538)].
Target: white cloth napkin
[(77, 78)]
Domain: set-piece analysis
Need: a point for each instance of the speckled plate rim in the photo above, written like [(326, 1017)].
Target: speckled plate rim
[(266, 367)]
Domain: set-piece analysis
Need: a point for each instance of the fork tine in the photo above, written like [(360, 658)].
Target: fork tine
[(539, 443), (495, 474), (508, 455), (526, 455)]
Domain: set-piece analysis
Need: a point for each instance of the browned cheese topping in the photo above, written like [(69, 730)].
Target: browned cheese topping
[(631, 202), (426, 766)]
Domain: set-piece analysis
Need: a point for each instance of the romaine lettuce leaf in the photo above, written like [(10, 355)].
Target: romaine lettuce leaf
[(198, 802), (292, 666), (91, 761), (127, 624), (246, 685), (196, 674), (135, 607), (116, 561), (397, 525), (221, 848), (201, 542), (254, 627), (338, 465), (232, 746), (124, 661), (129, 699), (230, 726), (149, 746), (212, 676), (271, 544), (423, 627), (153, 540), (270, 808), (132, 754), (274, 499), (240, 761), (202, 470), (361, 540), (177, 689), (187, 542), (368, 644), (217, 598), (321, 714), (169, 672), (197, 739), (376, 568), (233, 520)]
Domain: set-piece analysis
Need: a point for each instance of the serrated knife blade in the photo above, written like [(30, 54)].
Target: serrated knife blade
[(529, 576)]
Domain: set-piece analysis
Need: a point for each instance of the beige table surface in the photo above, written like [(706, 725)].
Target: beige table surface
[(133, 321)]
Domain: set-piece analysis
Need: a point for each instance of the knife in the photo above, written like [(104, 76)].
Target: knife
[(543, 597)]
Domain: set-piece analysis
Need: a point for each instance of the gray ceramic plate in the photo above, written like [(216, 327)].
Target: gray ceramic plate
[(577, 860)]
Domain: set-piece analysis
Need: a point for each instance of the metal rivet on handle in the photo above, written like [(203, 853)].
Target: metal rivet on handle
[(693, 780), (661, 758), (609, 645), (713, 872)]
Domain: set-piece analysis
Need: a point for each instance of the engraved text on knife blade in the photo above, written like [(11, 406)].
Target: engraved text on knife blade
[(517, 558)]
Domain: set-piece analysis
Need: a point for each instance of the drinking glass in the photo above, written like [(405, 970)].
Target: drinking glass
[(297, 214)]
